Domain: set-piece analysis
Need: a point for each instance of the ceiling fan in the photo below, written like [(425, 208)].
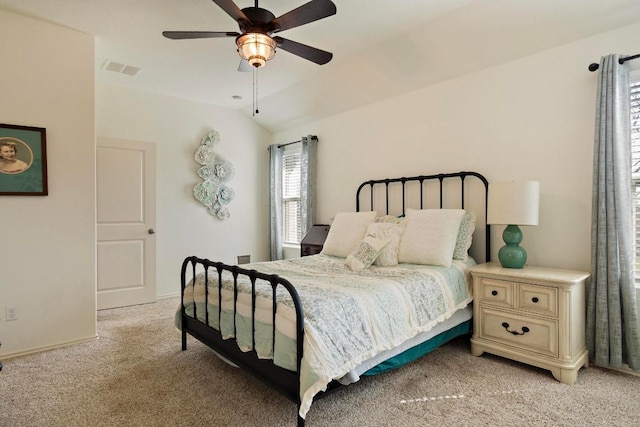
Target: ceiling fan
[(255, 42)]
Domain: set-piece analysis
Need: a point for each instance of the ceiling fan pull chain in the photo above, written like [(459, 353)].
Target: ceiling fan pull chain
[(255, 91)]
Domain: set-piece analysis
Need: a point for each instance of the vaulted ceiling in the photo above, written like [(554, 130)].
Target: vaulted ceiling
[(381, 48)]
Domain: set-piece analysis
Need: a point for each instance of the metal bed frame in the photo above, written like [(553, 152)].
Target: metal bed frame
[(285, 381)]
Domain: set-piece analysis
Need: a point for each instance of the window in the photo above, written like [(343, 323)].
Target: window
[(291, 197), (635, 168)]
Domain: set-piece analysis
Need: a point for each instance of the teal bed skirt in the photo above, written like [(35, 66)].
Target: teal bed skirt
[(420, 350)]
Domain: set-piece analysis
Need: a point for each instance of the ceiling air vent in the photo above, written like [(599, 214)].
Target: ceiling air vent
[(118, 67)]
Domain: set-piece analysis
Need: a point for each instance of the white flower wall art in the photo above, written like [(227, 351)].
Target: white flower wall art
[(216, 172)]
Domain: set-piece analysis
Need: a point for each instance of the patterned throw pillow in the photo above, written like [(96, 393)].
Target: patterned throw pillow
[(366, 252), (465, 235), (391, 231), (389, 218)]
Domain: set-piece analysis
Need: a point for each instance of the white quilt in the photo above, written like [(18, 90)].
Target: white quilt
[(349, 316)]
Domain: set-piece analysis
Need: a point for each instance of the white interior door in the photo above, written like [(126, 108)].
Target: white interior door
[(126, 221)]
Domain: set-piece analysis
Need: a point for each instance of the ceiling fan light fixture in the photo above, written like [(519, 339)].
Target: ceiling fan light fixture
[(257, 48)]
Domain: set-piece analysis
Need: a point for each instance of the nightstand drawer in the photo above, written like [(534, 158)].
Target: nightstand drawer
[(496, 292), (527, 333), (538, 299)]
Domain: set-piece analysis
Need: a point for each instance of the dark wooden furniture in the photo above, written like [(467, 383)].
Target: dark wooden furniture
[(312, 243), (427, 189)]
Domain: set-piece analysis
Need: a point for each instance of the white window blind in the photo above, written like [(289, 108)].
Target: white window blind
[(635, 170), (291, 198)]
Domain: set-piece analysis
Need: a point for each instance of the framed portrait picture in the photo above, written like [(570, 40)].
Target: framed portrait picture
[(23, 161)]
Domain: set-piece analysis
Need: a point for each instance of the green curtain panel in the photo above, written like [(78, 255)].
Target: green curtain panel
[(613, 333)]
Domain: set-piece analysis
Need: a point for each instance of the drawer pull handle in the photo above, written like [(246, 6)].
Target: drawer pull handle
[(505, 325), (535, 299), (494, 293)]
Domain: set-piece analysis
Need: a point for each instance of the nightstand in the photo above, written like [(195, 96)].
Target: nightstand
[(312, 243), (534, 315)]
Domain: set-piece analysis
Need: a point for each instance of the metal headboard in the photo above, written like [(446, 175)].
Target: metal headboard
[(424, 180)]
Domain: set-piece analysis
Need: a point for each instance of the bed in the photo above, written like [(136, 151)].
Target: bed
[(377, 297)]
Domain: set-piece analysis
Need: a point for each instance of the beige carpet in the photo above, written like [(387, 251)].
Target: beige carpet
[(137, 375)]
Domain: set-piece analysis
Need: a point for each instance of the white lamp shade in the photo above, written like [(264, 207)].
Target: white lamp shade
[(514, 202)]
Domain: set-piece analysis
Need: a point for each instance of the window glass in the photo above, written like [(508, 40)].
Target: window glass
[(291, 197)]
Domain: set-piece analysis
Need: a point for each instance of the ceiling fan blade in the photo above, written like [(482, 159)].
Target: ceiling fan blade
[(244, 66), (180, 35), (312, 54), (232, 10), (309, 12)]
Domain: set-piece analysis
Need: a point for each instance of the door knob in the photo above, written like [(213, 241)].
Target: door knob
[(152, 231)]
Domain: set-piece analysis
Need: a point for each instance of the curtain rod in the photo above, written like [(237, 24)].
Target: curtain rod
[(296, 142), (594, 67)]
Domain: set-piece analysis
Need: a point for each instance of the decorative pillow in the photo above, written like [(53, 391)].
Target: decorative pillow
[(391, 231), (465, 235), (346, 232), (389, 218), (368, 250), (430, 236)]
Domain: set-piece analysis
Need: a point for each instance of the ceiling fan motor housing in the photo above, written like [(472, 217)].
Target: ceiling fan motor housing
[(259, 19)]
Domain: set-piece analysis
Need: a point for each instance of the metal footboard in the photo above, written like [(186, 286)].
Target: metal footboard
[(283, 380)]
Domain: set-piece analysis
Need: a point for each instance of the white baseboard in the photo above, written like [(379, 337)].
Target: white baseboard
[(168, 296), (51, 347)]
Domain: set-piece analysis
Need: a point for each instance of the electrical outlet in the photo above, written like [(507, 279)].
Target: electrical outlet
[(11, 312)]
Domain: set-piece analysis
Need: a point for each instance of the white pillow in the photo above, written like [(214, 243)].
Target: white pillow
[(391, 231), (346, 232), (366, 252), (430, 236), (465, 236)]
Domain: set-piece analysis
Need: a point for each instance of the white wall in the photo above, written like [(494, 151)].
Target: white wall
[(47, 249), (532, 118), (184, 226)]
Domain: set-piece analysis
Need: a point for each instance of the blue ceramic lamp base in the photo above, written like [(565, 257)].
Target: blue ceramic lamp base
[(512, 255)]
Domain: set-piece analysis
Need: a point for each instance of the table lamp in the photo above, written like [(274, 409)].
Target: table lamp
[(513, 203)]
